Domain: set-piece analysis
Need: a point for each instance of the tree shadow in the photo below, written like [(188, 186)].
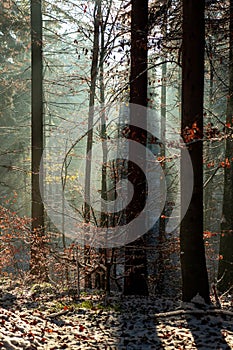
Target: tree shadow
[(209, 331), (7, 300), (137, 329)]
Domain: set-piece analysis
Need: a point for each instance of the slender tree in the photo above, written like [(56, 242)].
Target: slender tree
[(225, 271), (135, 255), (92, 92), (193, 262)]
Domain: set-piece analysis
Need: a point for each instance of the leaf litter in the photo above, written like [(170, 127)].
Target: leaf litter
[(53, 321)]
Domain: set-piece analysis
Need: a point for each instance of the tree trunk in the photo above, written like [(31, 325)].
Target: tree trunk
[(37, 139), (104, 216), (162, 254), (135, 254), (225, 270), (193, 262), (94, 72)]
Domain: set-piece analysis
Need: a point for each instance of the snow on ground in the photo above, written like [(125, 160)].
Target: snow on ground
[(52, 321)]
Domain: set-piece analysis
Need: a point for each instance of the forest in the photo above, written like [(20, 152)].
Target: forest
[(116, 174)]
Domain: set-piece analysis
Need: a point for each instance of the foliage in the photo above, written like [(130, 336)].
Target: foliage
[(14, 241)]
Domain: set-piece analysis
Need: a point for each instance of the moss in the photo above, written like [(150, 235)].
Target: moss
[(86, 304), (42, 288), (114, 307)]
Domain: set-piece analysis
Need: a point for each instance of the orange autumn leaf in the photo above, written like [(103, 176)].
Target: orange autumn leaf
[(49, 330), (225, 164), (211, 164), (193, 133), (222, 164), (228, 165), (207, 234), (161, 159)]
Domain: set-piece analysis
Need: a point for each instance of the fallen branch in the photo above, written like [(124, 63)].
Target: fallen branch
[(195, 312), (60, 313)]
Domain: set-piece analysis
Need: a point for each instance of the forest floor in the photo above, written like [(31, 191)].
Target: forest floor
[(43, 318)]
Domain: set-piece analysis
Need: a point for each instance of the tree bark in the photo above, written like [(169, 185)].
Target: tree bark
[(94, 73), (193, 262), (37, 136), (135, 254), (37, 112), (162, 254), (105, 280)]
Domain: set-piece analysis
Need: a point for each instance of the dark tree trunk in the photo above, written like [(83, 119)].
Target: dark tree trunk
[(37, 112), (193, 262), (135, 254), (225, 270), (139, 52), (37, 140)]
